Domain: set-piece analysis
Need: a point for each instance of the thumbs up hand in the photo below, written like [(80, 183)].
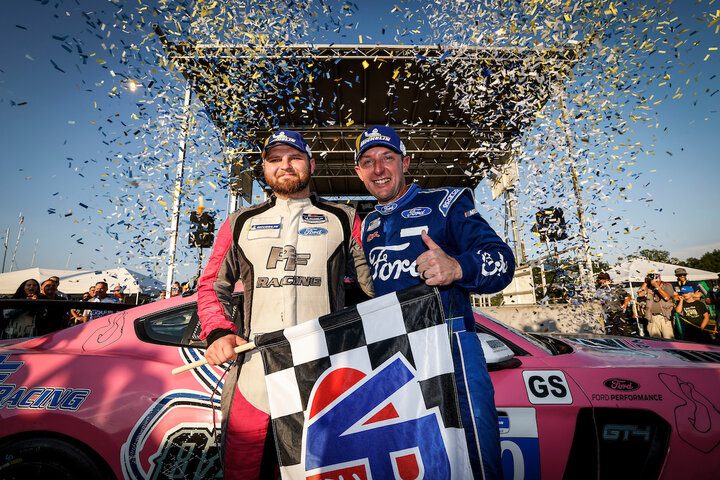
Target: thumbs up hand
[(435, 266)]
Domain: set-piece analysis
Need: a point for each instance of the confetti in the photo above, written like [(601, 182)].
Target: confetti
[(611, 94)]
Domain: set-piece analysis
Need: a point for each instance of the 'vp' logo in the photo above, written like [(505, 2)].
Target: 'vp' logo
[(8, 368), (342, 435)]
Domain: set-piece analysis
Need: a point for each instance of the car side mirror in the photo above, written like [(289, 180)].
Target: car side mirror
[(498, 356)]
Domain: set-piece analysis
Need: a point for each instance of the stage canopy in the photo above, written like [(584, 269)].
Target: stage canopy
[(460, 110), (636, 269), (77, 282)]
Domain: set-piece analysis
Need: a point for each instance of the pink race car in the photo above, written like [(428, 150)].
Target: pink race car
[(98, 401)]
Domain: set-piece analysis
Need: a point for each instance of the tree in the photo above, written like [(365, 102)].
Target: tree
[(655, 255), (710, 261)]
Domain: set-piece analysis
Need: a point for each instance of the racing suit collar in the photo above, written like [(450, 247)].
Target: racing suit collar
[(292, 201), (388, 208)]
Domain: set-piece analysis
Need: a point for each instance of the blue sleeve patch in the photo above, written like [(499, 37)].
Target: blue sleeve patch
[(450, 197)]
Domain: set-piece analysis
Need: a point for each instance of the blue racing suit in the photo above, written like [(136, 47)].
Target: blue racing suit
[(391, 237)]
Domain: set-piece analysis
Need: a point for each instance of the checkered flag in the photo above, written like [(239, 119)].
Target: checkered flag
[(367, 392)]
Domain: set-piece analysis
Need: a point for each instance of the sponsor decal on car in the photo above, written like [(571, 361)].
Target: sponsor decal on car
[(188, 450), (617, 432), (313, 231), (13, 396), (621, 384), (314, 218), (696, 416), (627, 397), (416, 212), (547, 387), (519, 444)]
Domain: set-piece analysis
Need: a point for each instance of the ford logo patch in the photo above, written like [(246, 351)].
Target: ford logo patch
[(621, 384), (385, 209), (313, 232), (416, 212)]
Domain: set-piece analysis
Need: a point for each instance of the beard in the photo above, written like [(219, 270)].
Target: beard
[(289, 185)]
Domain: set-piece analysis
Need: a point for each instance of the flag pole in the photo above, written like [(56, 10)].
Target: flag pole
[(5, 244), (21, 230), (32, 262), (199, 363), (177, 191)]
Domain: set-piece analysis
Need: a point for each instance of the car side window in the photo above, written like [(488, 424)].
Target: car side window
[(178, 326), (170, 327)]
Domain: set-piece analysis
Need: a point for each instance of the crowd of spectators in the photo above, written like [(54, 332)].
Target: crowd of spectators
[(30, 321), (176, 289), (682, 310)]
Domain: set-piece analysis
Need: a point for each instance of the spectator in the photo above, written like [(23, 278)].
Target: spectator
[(161, 295), (60, 295), (101, 296), (658, 305), (51, 319), (48, 290), (19, 322), (77, 315), (614, 301), (715, 298), (681, 275), (695, 316), (119, 293), (29, 290), (175, 289)]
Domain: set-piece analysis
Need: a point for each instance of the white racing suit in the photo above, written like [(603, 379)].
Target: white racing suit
[(292, 257)]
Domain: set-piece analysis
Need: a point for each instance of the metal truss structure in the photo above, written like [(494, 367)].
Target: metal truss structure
[(459, 109)]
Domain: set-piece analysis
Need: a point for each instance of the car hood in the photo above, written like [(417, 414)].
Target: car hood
[(618, 351)]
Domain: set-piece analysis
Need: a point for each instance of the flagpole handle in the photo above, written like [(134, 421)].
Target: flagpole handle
[(199, 363)]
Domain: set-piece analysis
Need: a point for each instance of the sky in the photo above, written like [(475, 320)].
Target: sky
[(89, 164)]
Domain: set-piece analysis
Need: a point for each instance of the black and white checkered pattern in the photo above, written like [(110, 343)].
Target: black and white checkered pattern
[(363, 337)]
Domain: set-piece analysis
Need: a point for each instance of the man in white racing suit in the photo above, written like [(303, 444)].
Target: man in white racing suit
[(292, 253)]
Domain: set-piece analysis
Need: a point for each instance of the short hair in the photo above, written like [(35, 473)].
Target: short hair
[(101, 283)]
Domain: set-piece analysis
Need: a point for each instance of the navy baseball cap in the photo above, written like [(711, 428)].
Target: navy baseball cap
[(687, 289), (287, 137), (379, 136)]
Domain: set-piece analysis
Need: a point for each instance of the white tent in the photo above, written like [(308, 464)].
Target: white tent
[(77, 282), (636, 269)]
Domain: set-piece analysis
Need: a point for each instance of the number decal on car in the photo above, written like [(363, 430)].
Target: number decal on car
[(519, 444), (547, 387)]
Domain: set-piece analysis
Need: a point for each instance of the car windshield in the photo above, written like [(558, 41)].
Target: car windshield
[(555, 345), (545, 343)]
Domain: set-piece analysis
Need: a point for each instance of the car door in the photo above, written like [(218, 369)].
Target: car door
[(538, 404)]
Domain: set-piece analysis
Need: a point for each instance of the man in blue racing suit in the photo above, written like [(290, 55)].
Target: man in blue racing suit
[(437, 236)]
